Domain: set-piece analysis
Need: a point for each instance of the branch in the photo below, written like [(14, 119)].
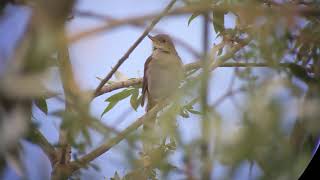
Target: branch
[(206, 165), (118, 85), (131, 49), (38, 138), (285, 11), (71, 90), (109, 19), (188, 67), (75, 165), (139, 19), (227, 94), (231, 52)]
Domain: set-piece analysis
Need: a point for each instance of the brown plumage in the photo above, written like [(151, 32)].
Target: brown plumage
[(163, 72)]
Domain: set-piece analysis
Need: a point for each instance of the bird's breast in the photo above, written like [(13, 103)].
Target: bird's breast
[(164, 74)]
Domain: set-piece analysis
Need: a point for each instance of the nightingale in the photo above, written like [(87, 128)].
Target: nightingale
[(163, 71)]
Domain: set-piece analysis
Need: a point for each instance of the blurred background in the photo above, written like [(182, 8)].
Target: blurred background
[(263, 117)]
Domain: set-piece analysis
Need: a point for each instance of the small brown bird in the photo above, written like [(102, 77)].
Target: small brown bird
[(163, 72)]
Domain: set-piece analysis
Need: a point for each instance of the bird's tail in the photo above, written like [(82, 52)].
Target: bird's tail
[(148, 128)]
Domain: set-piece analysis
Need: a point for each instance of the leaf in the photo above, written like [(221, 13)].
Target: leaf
[(114, 99), (194, 111), (119, 96), (139, 100), (134, 99), (218, 21), (109, 107), (86, 136), (42, 105), (192, 17), (299, 72)]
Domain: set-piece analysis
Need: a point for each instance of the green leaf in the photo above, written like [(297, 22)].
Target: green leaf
[(194, 111), (218, 21), (192, 17), (114, 99), (134, 99), (42, 105), (86, 136), (109, 107), (121, 95), (139, 100), (299, 72)]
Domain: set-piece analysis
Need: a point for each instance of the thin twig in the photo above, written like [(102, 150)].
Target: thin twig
[(223, 97), (286, 11), (196, 65), (90, 122), (75, 165), (47, 148), (71, 90), (206, 162), (187, 67), (108, 18), (118, 85), (131, 49), (218, 63), (139, 19)]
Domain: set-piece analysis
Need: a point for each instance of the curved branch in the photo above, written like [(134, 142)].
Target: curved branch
[(119, 85), (38, 138), (287, 11), (188, 67), (75, 165), (108, 18), (139, 19), (131, 49), (218, 63)]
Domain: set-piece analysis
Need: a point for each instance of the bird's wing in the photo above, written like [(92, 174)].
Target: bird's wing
[(145, 80)]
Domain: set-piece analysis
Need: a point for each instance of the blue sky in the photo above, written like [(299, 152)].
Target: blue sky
[(94, 56)]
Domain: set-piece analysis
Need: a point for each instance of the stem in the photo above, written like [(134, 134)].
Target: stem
[(206, 166), (132, 48)]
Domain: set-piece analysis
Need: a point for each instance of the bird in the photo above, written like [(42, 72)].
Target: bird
[(163, 72)]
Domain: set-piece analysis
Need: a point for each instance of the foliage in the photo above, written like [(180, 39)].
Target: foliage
[(273, 50)]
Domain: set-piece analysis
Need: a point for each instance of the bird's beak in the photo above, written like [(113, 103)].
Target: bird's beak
[(152, 38)]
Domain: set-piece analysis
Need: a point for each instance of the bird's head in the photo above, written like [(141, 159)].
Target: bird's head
[(163, 42)]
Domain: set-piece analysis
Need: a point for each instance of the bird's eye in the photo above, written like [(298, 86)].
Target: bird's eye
[(163, 40)]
